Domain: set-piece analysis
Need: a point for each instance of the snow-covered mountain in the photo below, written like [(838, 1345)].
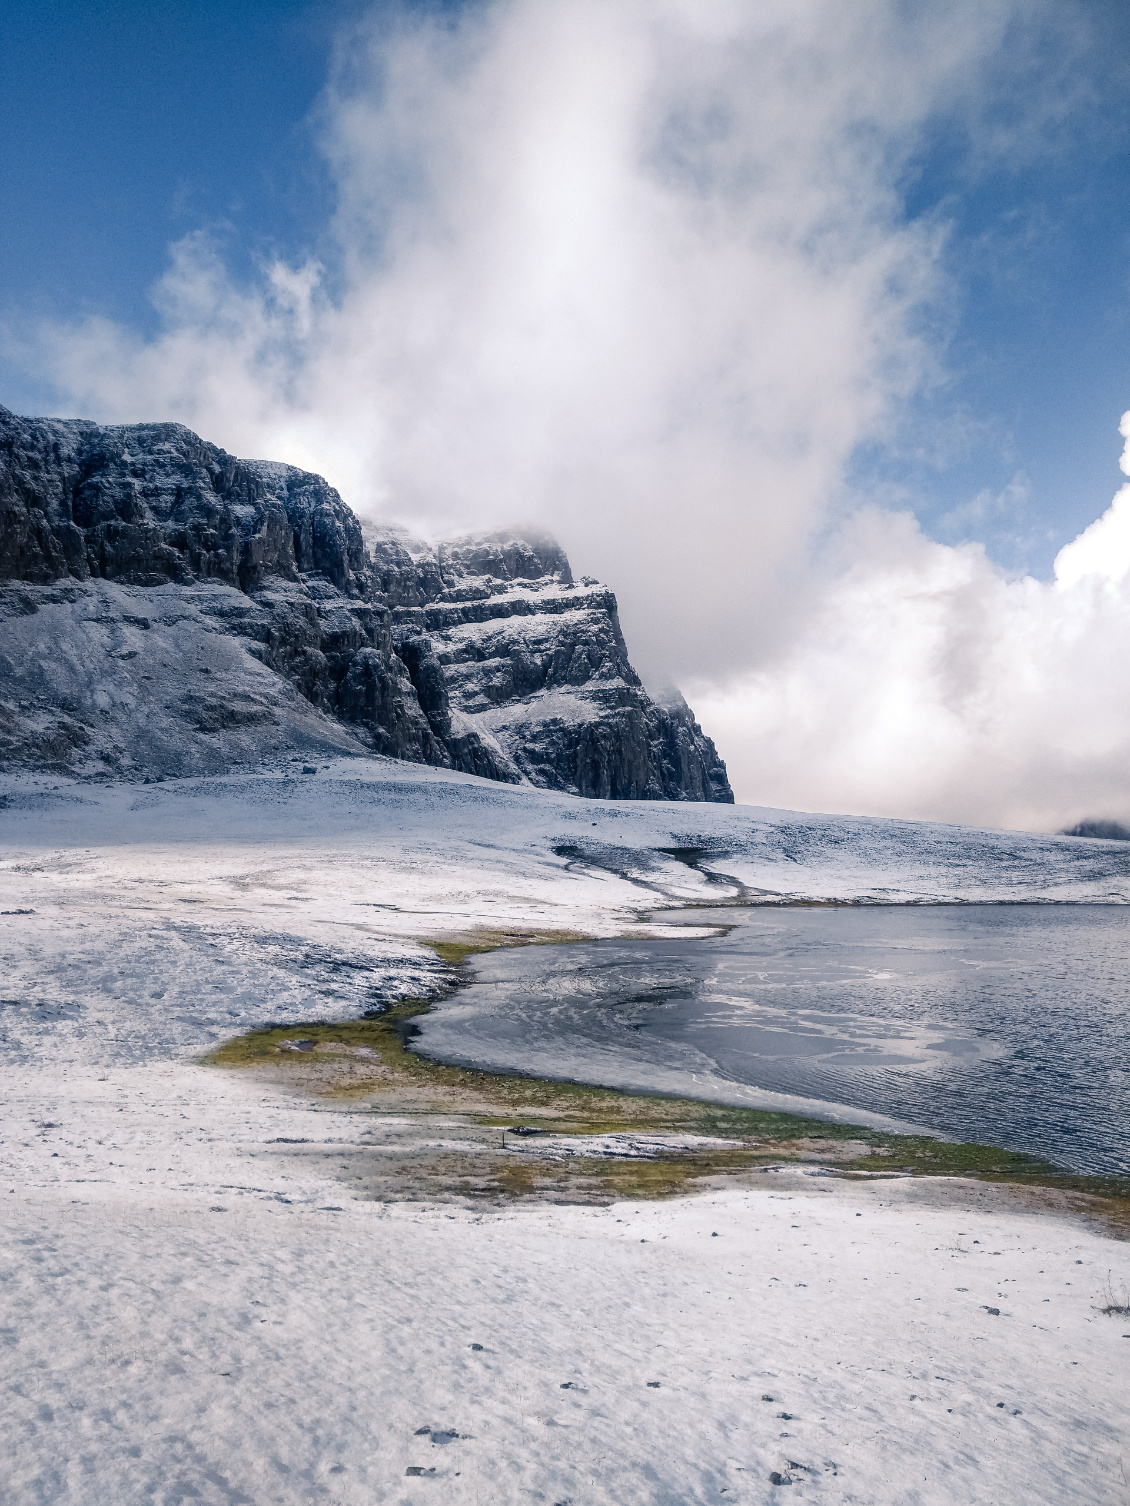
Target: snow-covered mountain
[(169, 609)]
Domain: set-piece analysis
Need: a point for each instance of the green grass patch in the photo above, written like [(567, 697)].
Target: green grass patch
[(503, 1101), (373, 1058), (455, 949)]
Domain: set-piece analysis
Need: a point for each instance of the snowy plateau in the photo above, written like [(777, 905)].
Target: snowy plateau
[(200, 1305), (260, 770)]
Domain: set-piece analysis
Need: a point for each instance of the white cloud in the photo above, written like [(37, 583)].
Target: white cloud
[(639, 270), (988, 508), (927, 684), (1102, 551)]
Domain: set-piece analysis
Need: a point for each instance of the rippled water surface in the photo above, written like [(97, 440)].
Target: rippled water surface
[(1006, 1024)]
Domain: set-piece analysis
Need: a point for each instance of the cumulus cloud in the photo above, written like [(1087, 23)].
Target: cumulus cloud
[(1102, 551), (928, 684), (641, 271)]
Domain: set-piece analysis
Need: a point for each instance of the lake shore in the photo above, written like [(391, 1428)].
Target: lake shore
[(209, 1297)]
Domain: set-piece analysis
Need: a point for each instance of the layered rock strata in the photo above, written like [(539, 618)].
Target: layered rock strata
[(169, 609)]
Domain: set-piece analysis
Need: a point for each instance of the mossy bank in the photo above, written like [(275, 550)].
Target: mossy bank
[(369, 1063)]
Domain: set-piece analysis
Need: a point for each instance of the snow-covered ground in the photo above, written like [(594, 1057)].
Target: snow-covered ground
[(919, 1341)]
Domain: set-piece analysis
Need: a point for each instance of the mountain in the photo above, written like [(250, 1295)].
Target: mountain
[(169, 610)]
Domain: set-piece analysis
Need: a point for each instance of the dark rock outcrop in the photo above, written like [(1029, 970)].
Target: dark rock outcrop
[(1106, 831), (135, 556), (537, 662)]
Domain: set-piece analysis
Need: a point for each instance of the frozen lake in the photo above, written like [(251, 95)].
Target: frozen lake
[(1005, 1024)]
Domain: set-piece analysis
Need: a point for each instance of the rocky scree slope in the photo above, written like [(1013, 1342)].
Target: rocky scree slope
[(167, 609)]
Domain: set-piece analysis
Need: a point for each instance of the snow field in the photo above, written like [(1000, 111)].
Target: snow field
[(193, 1310), (835, 1336)]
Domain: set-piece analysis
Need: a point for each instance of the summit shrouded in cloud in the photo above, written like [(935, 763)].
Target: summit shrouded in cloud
[(657, 276)]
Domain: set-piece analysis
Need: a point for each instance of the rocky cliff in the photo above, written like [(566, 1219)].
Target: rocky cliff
[(169, 609)]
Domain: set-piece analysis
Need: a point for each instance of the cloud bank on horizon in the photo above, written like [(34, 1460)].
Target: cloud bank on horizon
[(643, 273)]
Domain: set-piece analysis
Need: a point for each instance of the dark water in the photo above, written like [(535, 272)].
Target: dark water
[(1005, 1024)]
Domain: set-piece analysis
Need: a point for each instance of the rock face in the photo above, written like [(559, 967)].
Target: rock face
[(536, 662), (170, 609)]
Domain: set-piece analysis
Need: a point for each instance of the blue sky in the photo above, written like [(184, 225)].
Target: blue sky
[(122, 126), (1038, 359), (125, 126)]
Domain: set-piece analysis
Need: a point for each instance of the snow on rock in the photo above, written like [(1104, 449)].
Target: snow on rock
[(538, 664), (136, 559)]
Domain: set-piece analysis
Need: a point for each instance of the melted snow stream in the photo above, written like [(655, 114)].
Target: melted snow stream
[(1005, 1024)]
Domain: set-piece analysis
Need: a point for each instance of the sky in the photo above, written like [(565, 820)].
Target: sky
[(803, 325)]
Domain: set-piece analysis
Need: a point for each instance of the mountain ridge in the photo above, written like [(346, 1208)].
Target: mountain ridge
[(480, 653)]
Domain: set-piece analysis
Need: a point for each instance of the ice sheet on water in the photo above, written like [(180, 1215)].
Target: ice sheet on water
[(617, 1147), (168, 916)]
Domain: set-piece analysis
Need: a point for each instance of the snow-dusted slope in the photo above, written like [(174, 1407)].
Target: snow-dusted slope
[(193, 1310), (178, 913), (105, 678), (866, 1345), (106, 533)]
